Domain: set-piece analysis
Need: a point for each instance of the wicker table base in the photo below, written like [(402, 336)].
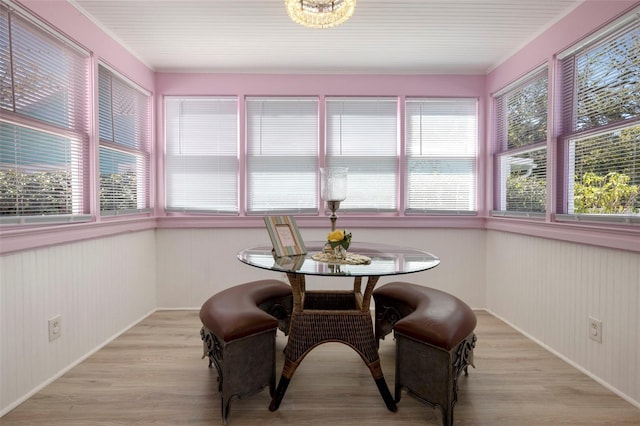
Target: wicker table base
[(331, 316)]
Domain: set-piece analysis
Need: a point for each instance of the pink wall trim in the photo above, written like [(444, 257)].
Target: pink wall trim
[(27, 239), (311, 85), (623, 238), (351, 222)]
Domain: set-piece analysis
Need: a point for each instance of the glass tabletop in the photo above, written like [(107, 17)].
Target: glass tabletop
[(385, 260)]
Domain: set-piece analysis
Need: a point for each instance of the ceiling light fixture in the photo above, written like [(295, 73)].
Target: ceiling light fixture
[(320, 13)]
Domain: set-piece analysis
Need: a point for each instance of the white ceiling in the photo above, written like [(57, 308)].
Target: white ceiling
[(383, 36)]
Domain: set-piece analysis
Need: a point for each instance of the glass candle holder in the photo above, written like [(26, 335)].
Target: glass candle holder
[(333, 183), (333, 189)]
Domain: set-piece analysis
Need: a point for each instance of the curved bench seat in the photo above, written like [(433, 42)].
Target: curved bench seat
[(424, 313), (434, 334), (247, 309), (238, 332)]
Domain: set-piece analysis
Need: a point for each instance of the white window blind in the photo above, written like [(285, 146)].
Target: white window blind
[(362, 134), (520, 145), (124, 118), (44, 124), (601, 124), (282, 155), (441, 150), (201, 154)]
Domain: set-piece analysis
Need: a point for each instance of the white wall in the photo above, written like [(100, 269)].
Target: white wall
[(193, 264), (100, 287), (547, 289)]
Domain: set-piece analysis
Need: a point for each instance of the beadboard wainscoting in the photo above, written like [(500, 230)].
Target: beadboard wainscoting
[(99, 287), (193, 264), (548, 289)]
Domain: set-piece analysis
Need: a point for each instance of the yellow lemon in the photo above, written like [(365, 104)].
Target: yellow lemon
[(337, 235)]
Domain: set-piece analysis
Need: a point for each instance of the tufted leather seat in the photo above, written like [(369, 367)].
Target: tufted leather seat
[(239, 330), (434, 341)]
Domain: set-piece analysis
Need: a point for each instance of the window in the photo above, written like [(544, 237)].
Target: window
[(125, 143), (44, 124), (441, 149), (600, 135), (201, 154), (521, 146), (282, 155), (362, 134)]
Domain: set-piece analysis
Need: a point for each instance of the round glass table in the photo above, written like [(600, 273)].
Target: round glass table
[(385, 260), (322, 316)]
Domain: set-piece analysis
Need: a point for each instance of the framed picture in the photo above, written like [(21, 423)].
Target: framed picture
[(285, 236), (290, 263)]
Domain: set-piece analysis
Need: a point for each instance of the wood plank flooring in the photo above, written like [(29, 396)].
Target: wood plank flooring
[(154, 375)]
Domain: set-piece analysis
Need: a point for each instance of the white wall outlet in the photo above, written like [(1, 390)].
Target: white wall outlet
[(55, 327), (595, 329)]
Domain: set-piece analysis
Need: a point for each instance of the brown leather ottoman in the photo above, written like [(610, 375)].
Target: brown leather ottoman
[(239, 332), (434, 341)]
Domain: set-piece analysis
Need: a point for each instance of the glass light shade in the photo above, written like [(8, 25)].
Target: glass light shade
[(320, 13), (333, 183)]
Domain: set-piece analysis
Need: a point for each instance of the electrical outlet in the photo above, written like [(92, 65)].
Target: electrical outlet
[(595, 329), (55, 327)]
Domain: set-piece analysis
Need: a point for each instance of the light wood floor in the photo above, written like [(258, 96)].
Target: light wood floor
[(154, 375)]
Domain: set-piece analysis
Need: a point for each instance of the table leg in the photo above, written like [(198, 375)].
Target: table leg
[(298, 287), (382, 387), (283, 384), (280, 391)]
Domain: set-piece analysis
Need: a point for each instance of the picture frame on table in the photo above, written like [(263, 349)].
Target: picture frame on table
[(290, 263), (285, 236)]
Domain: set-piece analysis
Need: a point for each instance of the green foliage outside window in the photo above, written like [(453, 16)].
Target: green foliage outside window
[(609, 194), (526, 194), (50, 193), (118, 191), (607, 183), (33, 194)]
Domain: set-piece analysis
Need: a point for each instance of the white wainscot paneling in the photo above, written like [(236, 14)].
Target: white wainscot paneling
[(100, 287), (548, 289), (193, 264)]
